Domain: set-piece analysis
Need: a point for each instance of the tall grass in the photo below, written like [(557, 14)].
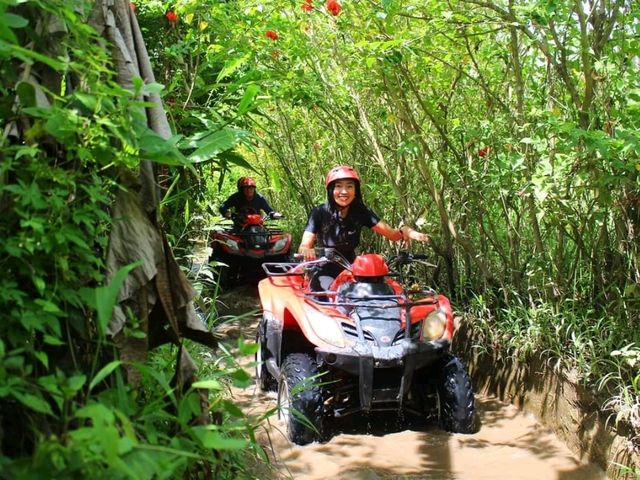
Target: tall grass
[(598, 348)]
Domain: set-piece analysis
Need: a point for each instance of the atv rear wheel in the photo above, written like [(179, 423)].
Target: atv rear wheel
[(266, 381), (300, 398), (455, 397)]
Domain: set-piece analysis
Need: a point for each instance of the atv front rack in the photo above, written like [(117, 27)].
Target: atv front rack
[(282, 269)]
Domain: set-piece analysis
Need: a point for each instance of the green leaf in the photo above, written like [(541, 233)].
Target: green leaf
[(232, 409), (247, 99), (214, 144), (42, 358), (14, 21), (231, 157), (30, 55), (241, 377), (275, 179), (215, 441), (160, 150), (50, 340), (33, 402), (152, 88), (29, 151), (246, 348), (39, 284), (62, 125), (75, 383), (231, 66), (97, 412), (104, 298), (125, 445), (89, 101), (207, 384), (48, 306), (104, 372), (26, 93)]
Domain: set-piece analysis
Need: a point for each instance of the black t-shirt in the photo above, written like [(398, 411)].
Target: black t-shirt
[(241, 205), (343, 234)]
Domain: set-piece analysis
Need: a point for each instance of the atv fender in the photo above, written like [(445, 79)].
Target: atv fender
[(283, 299)]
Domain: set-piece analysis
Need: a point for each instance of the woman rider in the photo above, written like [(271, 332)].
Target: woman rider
[(337, 224)]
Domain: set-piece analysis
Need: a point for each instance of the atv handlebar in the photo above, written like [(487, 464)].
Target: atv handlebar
[(406, 258), (298, 267), (353, 301), (327, 254), (239, 216)]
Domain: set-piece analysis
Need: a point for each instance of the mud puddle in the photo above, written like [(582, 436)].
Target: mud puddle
[(509, 445)]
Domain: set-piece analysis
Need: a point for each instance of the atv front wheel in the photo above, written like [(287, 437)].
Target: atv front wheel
[(227, 274), (266, 381), (300, 398), (455, 397)]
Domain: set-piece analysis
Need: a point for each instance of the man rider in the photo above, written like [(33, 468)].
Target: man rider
[(247, 200)]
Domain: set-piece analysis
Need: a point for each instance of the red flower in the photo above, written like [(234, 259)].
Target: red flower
[(307, 6), (334, 7), (171, 16), (272, 35), (483, 152)]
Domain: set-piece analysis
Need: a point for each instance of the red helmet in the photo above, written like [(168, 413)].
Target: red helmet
[(246, 182), (342, 172), (369, 265)]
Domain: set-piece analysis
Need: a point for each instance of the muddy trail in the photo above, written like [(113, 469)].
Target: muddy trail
[(510, 444)]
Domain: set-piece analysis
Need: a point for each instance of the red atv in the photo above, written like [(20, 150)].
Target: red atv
[(367, 344), (241, 245)]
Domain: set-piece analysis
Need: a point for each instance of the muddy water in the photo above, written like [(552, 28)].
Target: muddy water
[(510, 445)]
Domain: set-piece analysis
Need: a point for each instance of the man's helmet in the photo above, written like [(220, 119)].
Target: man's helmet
[(342, 172), (245, 182)]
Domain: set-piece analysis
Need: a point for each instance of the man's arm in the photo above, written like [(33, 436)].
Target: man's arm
[(264, 205), (227, 204)]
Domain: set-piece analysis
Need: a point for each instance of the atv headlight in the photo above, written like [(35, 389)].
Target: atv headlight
[(280, 244), (434, 325), (330, 332), (232, 244)]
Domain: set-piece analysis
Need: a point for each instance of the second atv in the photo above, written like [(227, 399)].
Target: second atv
[(367, 344), (239, 247)]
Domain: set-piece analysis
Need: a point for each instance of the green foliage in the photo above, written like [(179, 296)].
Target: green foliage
[(71, 139), (115, 435)]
